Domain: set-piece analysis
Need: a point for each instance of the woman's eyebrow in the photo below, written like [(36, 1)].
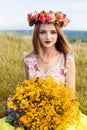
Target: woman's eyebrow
[(48, 30)]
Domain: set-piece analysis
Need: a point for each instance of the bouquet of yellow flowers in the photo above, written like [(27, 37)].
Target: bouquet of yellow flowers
[(43, 104)]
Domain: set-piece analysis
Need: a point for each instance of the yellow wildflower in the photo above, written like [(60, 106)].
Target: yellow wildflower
[(44, 104)]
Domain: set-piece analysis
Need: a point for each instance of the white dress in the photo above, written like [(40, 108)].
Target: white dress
[(58, 72)]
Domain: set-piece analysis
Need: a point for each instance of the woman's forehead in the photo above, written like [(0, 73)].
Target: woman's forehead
[(47, 27)]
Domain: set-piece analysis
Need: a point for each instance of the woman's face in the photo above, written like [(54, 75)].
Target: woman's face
[(48, 35)]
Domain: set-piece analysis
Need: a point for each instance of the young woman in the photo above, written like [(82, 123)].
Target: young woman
[(51, 55)]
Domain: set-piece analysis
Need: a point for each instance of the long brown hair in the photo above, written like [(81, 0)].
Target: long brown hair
[(61, 45)]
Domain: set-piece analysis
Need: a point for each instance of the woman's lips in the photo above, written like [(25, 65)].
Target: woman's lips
[(47, 42)]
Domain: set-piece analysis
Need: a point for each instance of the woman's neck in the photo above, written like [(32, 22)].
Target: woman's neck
[(50, 52)]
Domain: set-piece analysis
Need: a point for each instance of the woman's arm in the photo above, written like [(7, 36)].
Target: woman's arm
[(26, 72), (70, 75)]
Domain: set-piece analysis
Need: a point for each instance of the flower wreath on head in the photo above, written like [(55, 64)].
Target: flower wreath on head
[(48, 17)]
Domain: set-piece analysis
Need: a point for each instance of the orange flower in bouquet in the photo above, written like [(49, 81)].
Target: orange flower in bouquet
[(43, 104)]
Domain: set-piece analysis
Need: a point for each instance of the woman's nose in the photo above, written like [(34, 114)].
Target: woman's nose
[(48, 36)]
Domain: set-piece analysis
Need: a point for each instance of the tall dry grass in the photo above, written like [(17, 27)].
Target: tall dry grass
[(12, 67), (11, 64), (80, 51)]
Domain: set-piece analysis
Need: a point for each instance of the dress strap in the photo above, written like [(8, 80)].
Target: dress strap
[(30, 58), (25, 54), (69, 58)]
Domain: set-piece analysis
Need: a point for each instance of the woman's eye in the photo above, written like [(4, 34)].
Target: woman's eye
[(42, 32), (53, 32)]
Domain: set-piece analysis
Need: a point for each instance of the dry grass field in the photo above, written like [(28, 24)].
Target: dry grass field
[(12, 67)]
